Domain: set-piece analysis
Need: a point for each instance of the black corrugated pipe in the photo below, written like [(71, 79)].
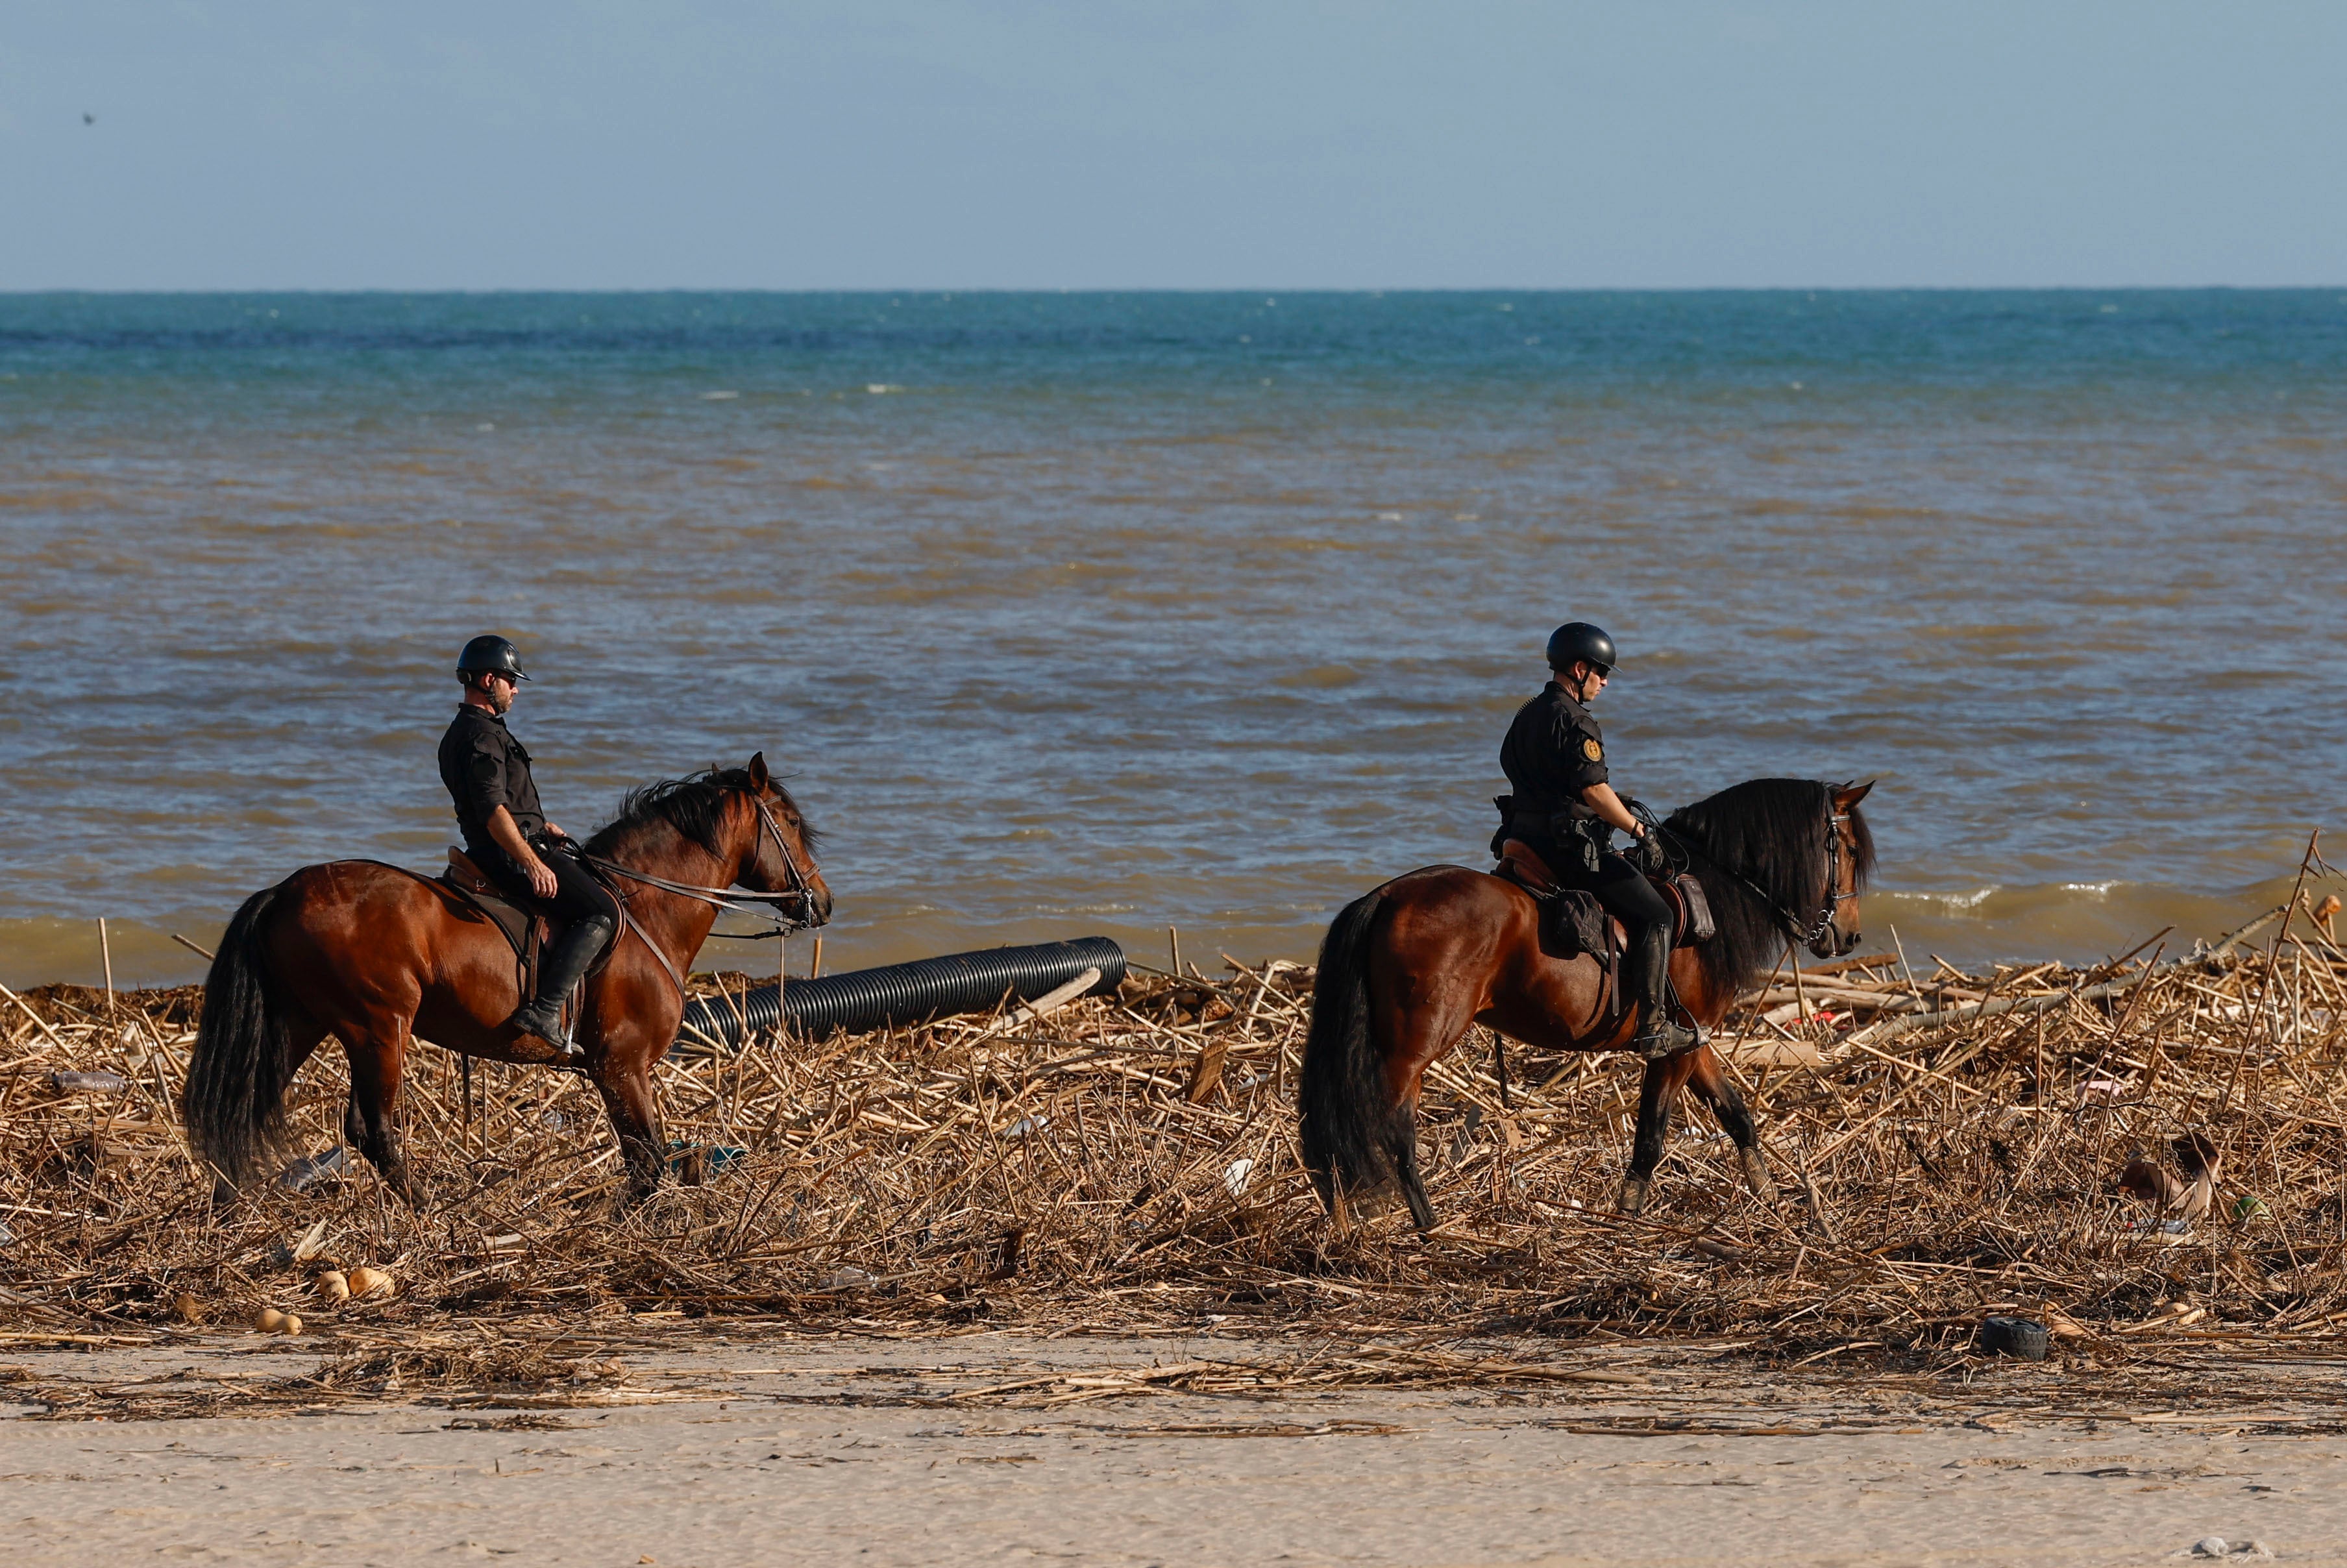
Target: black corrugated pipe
[(897, 994)]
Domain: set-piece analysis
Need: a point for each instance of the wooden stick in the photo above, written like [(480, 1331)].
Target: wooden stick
[(106, 957), (37, 1023)]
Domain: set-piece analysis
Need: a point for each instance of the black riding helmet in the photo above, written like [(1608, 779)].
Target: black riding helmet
[(490, 655), (1579, 640)]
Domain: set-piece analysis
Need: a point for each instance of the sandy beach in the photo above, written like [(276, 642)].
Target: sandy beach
[(990, 1448)]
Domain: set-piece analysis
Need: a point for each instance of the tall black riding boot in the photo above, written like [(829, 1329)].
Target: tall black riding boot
[(559, 969), (1658, 1037)]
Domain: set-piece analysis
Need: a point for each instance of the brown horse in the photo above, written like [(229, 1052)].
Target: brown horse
[(377, 956), (1407, 968)]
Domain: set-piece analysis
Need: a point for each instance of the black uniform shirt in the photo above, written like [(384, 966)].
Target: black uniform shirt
[(484, 768), (1553, 752)]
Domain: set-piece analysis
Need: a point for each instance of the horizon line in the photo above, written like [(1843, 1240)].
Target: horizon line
[(949, 291)]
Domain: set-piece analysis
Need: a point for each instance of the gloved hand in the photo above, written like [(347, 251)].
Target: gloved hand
[(1647, 852)]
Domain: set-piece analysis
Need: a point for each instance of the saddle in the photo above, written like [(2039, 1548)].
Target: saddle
[(525, 928), (1573, 922)]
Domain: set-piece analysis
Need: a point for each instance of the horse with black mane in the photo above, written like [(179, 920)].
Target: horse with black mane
[(378, 957), (1406, 970)]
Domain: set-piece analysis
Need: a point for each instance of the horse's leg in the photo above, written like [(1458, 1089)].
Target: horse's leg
[(1708, 1077), (371, 1121), (625, 1081), (1656, 1090), (1422, 1034)]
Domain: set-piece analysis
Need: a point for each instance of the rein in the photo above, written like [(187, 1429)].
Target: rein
[(725, 900), (1816, 928)]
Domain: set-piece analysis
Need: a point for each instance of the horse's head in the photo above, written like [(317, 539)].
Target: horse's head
[(781, 855), (1782, 859), (1849, 860)]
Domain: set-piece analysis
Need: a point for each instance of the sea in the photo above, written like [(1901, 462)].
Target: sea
[(1178, 618)]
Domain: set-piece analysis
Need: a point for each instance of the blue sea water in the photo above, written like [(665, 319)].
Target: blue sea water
[(1095, 612)]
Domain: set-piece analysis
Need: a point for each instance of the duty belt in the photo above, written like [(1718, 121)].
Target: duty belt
[(1558, 821)]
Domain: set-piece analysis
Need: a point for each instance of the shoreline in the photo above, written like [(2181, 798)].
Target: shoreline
[(2073, 922)]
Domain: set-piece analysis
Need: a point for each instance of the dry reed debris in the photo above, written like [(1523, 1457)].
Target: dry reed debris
[(1126, 1164)]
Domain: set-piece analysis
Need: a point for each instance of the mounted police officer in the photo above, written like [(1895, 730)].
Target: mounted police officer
[(1563, 808), (506, 834)]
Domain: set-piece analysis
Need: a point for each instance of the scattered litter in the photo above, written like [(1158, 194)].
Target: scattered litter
[(695, 1163), (1027, 1126), (2016, 1336), (308, 1172), (66, 1080), (2156, 1227), (1235, 1179)]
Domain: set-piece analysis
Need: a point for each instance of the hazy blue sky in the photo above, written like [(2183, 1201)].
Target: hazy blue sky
[(905, 143)]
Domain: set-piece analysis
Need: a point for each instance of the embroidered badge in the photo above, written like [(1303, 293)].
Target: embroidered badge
[(1592, 751)]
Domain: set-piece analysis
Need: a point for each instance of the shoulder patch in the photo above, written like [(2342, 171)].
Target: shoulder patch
[(1592, 751)]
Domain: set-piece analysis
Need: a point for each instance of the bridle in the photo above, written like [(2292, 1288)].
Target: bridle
[(1816, 928), (725, 899)]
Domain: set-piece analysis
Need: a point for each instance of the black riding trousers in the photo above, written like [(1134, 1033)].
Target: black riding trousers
[(1628, 895), (577, 896)]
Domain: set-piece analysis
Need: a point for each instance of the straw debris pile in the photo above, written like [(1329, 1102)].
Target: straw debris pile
[(1948, 1146)]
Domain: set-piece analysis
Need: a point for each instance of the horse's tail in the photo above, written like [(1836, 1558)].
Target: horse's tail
[(235, 1099), (1354, 1142)]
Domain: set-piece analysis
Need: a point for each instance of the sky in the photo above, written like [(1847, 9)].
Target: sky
[(1194, 144)]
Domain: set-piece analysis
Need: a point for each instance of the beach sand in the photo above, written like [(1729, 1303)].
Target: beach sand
[(912, 1452)]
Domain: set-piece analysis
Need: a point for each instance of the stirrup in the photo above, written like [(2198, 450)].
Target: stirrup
[(533, 1021), (1663, 1039)]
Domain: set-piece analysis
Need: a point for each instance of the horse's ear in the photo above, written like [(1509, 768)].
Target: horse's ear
[(758, 774), (1851, 794)]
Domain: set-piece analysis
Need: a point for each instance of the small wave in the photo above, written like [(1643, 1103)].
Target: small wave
[(1972, 900), (2099, 889)]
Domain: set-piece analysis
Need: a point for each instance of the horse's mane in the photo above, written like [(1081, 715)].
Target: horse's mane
[(1772, 831), (694, 805)]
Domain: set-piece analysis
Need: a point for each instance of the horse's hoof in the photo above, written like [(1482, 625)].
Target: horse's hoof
[(1633, 1195), (1755, 1174), (640, 1189)]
